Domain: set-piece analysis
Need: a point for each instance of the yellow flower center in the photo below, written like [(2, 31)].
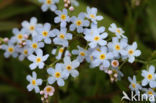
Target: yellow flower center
[(78, 22), (149, 76), (61, 50), (102, 56), (10, 49), (57, 74), (118, 30), (63, 17), (33, 82), (44, 33), (130, 52), (20, 36), (38, 60), (61, 36), (117, 47), (49, 1), (133, 85), (92, 16), (98, 49), (69, 67), (96, 38), (48, 89), (82, 53), (25, 52), (32, 28), (150, 93), (34, 45)]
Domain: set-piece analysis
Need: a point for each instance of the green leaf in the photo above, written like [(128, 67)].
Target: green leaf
[(151, 18), (8, 25), (14, 11), (36, 2), (6, 89)]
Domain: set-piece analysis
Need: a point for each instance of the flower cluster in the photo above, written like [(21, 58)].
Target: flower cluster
[(29, 41), (147, 85)]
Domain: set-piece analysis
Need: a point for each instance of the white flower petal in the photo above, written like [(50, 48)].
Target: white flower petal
[(29, 87), (33, 66), (60, 82), (74, 73), (51, 80), (144, 82), (37, 89)]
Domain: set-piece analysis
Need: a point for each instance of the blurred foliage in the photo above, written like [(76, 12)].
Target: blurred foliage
[(137, 17)]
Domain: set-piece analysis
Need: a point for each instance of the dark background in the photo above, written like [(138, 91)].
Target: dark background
[(136, 17)]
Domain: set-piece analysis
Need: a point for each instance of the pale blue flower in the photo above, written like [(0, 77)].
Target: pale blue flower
[(149, 77), (82, 54), (70, 67), (150, 95), (96, 38), (34, 82), (31, 26), (62, 37), (45, 33), (118, 31), (94, 29), (35, 44), (134, 86), (102, 57), (92, 15), (25, 52), (38, 60), (62, 17), (56, 74), (79, 23), (48, 4), (118, 47), (59, 53), (18, 35), (10, 50), (132, 52)]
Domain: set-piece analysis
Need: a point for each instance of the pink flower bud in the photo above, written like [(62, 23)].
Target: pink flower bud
[(65, 5), (68, 1), (115, 75), (42, 99), (112, 79), (26, 36), (65, 0), (109, 72), (5, 40), (71, 8), (41, 92), (24, 43)]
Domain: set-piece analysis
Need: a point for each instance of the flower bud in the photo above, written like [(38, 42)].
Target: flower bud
[(65, 5), (71, 8), (5, 40)]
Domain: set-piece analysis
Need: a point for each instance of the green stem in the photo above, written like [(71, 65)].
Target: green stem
[(141, 61), (122, 64), (51, 65), (56, 96)]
